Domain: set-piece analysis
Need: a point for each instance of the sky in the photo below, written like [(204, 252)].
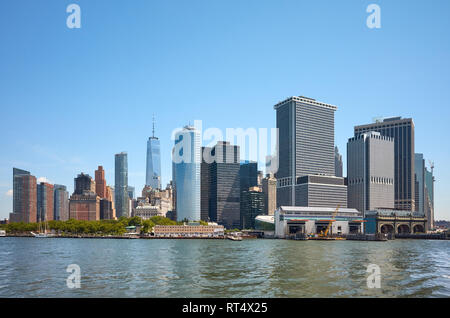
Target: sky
[(72, 98)]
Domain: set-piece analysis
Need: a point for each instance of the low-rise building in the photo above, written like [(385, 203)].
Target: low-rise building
[(395, 222), (189, 230), (291, 220)]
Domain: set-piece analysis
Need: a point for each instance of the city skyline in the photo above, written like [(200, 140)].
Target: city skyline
[(379, 73)]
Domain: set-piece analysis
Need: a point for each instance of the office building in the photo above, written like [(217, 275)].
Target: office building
[(402, 131), (338, 165), (269, 189), (419, 182), (84, 206), (186, 169), (224, 190), (131, 192), (306, 143), (106, 209), (121, 185), (252, 206), (205, 183), (83, 182), (24, 197), (61, 202), (429, 197), (45, 202), (370, 172), (100, 182), (153, 173), (320, 191)]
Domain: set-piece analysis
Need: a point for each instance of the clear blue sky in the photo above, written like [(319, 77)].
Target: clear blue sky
[(71, 99)]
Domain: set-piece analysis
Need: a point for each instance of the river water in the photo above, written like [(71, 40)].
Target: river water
[(31, 267)]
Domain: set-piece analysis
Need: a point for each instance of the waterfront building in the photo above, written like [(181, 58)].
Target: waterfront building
[(252, 206), (394, 222), (189, 230), (402, 131), (61, 202), (224, 193), (45, 202), (100, 182), (84, 206), (153, 173), (370, 172), (338, 165), (290, 220), (269, 188), (121, 185), (24, 197), (266, 224), (186, 169), (306, 143)]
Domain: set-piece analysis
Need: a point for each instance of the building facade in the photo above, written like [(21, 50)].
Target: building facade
[(370, 172), (100, 182), (402, 131), (45, 202), (24, 197), (306, 143), (394, 222), (84, 206), (153, 172), (186, 160), (224, 193), (121, 185), (320, 191), (61, 202), (205, 183), (269, 188), (338, 165), (252, 206), (189, 230)]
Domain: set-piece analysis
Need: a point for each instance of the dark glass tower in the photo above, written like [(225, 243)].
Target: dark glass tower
[(121, 185)]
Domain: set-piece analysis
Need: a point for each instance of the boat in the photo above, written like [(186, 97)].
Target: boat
[(2, 233), (234, 238), (43, 231)]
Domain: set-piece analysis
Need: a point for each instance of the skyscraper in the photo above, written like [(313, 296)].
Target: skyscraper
[(253, 205), (153, 174), (224, 197), (186, 160), (429, 197), (370, 170), (121, 185), (100, 182), (24, 197), (248, 177), (402, 130), (45, 202), (84, 182), (269, 189), (84, 203), (61, 202), (419, 179), (205, 184), (306, 143), (338, 166)]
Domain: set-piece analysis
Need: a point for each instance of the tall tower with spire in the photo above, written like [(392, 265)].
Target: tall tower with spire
[(153, 174)]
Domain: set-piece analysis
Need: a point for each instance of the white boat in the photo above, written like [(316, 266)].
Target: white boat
[(43, 232), (2, 233)]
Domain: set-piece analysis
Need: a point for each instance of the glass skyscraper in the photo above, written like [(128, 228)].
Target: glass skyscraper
[(153, 173), (121, 185), (186, 169)]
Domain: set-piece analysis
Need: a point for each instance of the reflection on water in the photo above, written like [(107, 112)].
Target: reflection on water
[(221, 268)]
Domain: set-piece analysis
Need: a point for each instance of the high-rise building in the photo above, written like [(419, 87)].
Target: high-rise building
[(370, 171), (110, 196), (100, 182), (402, 130), (186, 160), (321, 191), (84, 206), (248, 177), (429, 197), (338, 166), (269, 189), (153, 174), (253, 205), (419, 179), (224, 194), (45, 202), (121, 185), (205, 184), (131, 192), (61, 202), (24, 197), (306, 143), (84, 182)]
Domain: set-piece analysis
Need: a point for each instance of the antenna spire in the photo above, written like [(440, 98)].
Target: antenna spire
[(153, 129)]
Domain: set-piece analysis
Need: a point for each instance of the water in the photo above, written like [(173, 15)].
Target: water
[(32, 267)]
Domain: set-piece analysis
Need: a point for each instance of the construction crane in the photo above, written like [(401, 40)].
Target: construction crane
[(333, 216)]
